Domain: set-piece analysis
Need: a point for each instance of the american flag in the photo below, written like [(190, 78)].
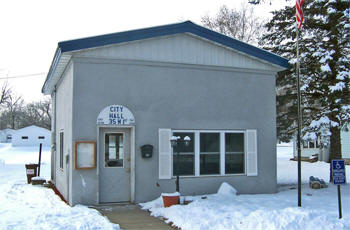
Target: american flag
[(299, 12)]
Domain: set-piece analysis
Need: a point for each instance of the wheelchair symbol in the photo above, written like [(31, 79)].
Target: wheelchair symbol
[(337, 165)]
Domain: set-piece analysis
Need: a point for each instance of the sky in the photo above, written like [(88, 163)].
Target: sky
[(30, 30)]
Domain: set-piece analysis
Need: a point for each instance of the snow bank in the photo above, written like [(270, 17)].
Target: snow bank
[(260, 212), (264, 211), (25, 206), (226, 189), (157, 203)]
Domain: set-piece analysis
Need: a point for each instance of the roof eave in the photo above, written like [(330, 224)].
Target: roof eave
[(52, 70)]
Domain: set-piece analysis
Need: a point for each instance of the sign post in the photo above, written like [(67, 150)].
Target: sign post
[(338, 172)]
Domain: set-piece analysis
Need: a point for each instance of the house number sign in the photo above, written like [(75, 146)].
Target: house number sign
[(115, 115)]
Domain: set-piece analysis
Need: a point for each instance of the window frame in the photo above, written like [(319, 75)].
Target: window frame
[(211, 153), (316, 143), (244, 153), (184, 154), (104, 151), (222, 151)]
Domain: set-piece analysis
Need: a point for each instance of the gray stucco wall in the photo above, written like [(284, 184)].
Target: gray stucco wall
[(64, 124), (177, 97)]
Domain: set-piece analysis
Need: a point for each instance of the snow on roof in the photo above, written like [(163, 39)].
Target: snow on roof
[(32, 127)]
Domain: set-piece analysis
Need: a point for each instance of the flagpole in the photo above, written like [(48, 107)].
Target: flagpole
[(299, 122)]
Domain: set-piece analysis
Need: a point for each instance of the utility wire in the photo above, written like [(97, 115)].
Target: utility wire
[(26, 75)]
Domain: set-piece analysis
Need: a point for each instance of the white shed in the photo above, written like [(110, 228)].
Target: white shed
[(31, 136), (6, 135), (310, 148)]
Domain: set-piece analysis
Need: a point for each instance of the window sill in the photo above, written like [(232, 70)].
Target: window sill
[(216, 175)]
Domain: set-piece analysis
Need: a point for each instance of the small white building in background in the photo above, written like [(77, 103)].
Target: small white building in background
[(310, 148), (6, 135), (31, 136)]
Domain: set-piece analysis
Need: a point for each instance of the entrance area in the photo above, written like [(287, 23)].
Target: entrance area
[(131, 217), (114, 165)]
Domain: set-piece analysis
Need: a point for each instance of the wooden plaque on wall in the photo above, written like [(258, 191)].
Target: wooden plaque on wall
[(85, 154)]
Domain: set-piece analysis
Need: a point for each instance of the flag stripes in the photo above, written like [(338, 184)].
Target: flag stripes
[(299, 13)]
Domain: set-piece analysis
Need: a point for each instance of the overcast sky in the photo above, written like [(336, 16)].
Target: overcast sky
[(30, 30)]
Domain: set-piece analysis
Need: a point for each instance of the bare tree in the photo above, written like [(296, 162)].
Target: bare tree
[(5, 93), (241, 23), (13, 109), (45, 107), (15, 114), (37, 113)]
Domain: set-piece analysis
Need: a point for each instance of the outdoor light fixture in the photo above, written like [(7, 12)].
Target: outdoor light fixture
[(175, 142), (187, 140)]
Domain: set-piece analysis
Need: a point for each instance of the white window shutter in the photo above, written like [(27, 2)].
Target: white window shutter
[(164, 154), (252, 153)]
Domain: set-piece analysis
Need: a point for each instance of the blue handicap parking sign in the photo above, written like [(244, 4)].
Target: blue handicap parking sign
[(338, 172)]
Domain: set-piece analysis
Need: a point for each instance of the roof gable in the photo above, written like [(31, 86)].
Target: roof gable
[(159, 31), (184, 48)]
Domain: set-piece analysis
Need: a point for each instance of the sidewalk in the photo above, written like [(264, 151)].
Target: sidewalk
[(131, 217)]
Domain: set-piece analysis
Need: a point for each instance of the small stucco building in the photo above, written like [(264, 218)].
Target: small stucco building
[(119, 98), (31, 136)]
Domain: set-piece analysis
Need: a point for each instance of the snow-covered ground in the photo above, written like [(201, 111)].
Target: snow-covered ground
[(267, 211), (23, 155), (24, 206), (287, 169)]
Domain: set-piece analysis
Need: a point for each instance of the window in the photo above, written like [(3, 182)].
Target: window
[(209, 153), (305, 144), (41, 137), (114, 149), (61, 149), (311, 144), (318, 144), (24, 137), (186, 155), (234, 153)]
